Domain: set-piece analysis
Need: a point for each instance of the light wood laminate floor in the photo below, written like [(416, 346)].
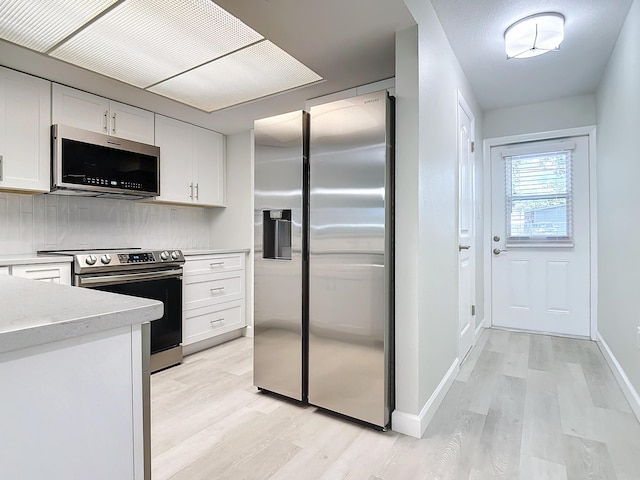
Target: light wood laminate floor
[(522, 407)]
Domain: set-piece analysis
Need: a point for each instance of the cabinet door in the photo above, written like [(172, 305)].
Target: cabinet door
[(176, 177), (131, 123), (25, 110), (80, 109), (209, 167)]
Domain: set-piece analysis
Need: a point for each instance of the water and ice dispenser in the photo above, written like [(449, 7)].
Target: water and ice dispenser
[(276, 234)]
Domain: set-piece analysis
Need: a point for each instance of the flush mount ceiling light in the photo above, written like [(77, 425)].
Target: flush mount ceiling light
[(182, 49), (534, 35)]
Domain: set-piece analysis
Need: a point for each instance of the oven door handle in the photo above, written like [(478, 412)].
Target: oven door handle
[(126, 278)]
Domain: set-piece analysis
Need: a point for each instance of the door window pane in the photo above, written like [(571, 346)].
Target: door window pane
[(538, 198)]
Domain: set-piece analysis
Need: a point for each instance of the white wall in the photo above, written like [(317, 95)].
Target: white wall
[(618, 106), (427, 312), (540, 117), (44, 222), (232, 227)]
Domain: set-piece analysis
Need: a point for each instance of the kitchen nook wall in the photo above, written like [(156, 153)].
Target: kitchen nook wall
[(29, 223)]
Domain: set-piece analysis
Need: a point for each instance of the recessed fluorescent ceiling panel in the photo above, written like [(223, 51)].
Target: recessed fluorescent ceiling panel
[(192, 51), (40, 25), (143, 42), (254, 72)]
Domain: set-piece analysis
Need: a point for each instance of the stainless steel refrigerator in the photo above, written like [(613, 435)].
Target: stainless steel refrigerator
[(324, 257)]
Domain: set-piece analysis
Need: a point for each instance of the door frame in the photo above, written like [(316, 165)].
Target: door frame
[(461, 103), (488, 144)]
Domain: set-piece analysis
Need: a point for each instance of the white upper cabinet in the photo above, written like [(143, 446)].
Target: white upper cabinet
[(174, 139), (91, 112), (192, 163), (25, 113), (209, 166)]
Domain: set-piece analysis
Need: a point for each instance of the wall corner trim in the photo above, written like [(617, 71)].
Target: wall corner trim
[(627, 388), (416, 425)]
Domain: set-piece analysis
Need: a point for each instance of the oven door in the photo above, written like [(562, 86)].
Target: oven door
[(164, 285)]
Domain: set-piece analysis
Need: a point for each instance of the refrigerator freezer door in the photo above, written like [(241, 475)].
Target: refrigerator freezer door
[(278, 335), (349, 259)]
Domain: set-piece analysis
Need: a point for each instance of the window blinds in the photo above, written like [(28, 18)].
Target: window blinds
[(538, 197)]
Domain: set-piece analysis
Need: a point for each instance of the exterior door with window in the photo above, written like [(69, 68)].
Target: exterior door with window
[(540, 236)]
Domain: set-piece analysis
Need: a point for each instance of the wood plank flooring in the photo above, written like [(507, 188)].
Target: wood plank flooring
[(522, 407)]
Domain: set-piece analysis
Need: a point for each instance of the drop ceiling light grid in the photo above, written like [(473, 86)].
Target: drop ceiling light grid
[(40, 25), (257, 71), (142, 42), (192, 51)]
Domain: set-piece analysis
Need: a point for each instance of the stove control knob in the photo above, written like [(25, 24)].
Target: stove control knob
[(164, 255), (91, 260), (175, 255), (106, 259)]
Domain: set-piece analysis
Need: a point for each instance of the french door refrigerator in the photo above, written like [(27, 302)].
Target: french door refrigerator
[(324, 257)]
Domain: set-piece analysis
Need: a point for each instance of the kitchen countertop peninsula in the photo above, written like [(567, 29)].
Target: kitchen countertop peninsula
[(72, 369), (36, 313)]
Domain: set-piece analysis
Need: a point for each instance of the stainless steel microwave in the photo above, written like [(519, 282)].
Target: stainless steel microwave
[(97, 165)]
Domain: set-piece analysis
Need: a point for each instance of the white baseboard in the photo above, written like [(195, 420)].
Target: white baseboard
[(211, 342), (415, 425), (629, 392), (247, 331)]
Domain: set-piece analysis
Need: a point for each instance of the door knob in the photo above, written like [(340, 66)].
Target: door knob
[(497, 251), (463, 247)]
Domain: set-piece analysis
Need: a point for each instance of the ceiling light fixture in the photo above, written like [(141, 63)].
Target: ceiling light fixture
[(534, 35)]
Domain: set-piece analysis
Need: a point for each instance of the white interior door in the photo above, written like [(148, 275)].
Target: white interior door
[(466, 253), (540, 236)]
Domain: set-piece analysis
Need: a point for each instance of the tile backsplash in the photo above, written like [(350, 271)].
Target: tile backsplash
[(29, 223)]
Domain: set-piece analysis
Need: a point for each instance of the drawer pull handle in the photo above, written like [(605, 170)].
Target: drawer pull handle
[(217, 289), (216, 321), (216, 264)]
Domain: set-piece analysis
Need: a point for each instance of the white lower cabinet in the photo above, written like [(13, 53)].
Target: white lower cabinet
[(72, 409), (214, 296), (49, 272), (204, 323)]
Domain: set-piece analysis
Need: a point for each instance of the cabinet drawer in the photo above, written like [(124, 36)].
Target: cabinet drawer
[(197, 264), (203, 323), (4, 270), (202, 290), (51, 272)]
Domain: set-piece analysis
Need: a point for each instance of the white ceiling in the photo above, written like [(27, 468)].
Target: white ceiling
[(347, 42), (475, 29)]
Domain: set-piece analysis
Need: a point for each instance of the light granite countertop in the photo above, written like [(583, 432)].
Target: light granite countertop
[(214, 251), (32, 258), (36, 313)]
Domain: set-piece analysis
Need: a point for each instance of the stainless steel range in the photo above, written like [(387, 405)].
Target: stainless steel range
[(154, 274)]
